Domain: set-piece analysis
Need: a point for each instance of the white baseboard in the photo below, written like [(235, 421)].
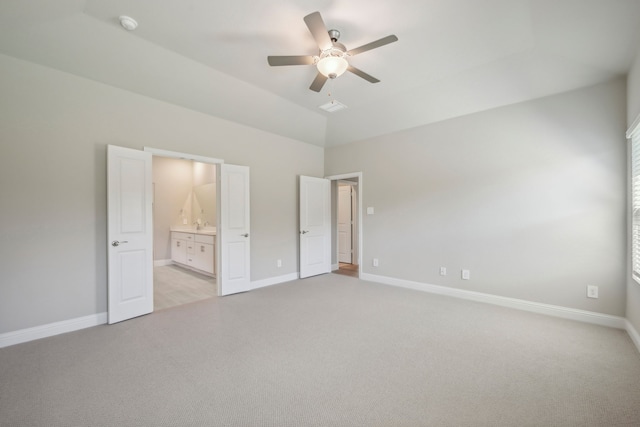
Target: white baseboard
[(274, 280), (535, 307), (162, 262), (51, 329), (635, 337), (335, 267)]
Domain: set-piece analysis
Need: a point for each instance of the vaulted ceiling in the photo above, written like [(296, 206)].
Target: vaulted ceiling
[(453, 57)]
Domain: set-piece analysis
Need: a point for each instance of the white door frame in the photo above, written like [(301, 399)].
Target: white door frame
[(360, 248)]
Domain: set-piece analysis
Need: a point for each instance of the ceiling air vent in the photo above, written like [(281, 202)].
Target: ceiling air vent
[(333, 106)]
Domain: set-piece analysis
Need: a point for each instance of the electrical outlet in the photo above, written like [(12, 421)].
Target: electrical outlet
[(466, 274), (592, 292), (443, 271), (375, 262), (279, 263)]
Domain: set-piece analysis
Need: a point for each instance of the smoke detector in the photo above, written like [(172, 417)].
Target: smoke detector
[(128, 23)]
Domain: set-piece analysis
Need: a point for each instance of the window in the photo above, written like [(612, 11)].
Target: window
[(635, 202)]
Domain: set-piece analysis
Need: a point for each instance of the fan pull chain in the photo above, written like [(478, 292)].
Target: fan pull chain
[(329, 93)]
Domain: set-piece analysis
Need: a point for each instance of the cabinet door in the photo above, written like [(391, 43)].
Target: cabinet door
[(204, 257), (179, 250)]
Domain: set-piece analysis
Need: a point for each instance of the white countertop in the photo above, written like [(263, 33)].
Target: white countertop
[(207, 231)]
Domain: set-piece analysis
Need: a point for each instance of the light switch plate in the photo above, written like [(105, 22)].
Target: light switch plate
[(370, 210)]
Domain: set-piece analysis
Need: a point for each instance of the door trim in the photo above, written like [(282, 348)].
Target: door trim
[(183, 156), (357, 175)]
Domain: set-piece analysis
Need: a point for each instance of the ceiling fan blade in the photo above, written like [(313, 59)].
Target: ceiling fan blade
[(318, 30), (378, 43), (276, 61), (318, 82), (362, 74)]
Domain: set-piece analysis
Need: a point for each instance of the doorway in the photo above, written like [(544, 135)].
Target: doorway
[(346, 198), (130, 230), (347, 232), (184, 230)]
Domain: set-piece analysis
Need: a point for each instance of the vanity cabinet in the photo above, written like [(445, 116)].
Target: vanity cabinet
[(194, 250), (203, 255)]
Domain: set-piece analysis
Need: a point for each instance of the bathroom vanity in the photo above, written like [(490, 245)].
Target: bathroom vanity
[(194, 249)]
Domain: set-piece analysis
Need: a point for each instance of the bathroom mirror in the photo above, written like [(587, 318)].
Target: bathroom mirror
[(204, 204)]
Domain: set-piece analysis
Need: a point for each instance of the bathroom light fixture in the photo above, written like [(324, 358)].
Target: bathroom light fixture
[(128, 23)]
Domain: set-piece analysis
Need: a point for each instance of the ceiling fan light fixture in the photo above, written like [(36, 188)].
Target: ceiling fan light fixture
[(332, 66)]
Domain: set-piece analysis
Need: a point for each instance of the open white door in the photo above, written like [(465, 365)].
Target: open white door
[(235, 271), (345, 224), (130, 233), (315, 226)]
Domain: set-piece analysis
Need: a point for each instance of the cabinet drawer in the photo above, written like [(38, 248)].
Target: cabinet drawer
[(180, 235), (200, 238)]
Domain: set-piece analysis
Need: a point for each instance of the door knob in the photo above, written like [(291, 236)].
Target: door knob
[(245, 235), (117, 243), (304, 232)]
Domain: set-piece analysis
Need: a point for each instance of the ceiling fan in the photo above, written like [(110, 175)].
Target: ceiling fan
[(332, 59)]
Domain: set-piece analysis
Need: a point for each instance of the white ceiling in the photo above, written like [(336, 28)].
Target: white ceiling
[(453, 57)]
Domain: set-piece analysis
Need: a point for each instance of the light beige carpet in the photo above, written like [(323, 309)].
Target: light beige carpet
[(326, 351)]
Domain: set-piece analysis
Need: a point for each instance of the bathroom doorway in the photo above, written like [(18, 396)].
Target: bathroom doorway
[(184, 231), (130, 237)]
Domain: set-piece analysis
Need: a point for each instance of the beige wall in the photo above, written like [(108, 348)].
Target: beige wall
[(54, 129), (531, 198)]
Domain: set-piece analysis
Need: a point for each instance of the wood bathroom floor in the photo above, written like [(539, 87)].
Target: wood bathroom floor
[(173, 285)]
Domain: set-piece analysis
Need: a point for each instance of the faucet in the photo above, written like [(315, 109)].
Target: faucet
[(197, 224)]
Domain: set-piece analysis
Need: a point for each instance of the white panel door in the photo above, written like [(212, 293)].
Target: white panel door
[(235, 241), (315, 226), (130, 233), (345, 221)]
